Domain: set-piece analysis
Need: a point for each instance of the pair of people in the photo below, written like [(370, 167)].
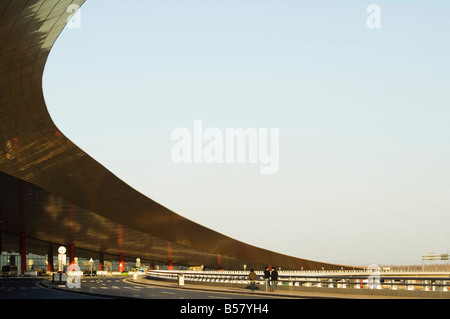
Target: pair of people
[(270, 279)]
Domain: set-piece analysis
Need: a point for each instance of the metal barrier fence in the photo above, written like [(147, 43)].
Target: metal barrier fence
[(324, 279)]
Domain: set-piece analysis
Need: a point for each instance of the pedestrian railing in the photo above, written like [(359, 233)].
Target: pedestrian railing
[(323, 279)]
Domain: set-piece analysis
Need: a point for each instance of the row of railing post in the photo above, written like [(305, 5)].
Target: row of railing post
[(305, 279)]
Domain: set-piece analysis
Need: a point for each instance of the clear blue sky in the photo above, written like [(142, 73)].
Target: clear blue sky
[(363, 116)]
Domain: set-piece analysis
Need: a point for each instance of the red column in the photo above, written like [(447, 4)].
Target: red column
[(121, 262), (219, 262), (71, 253), (23, 252), (169, 255), (50, 257), (100, 262)]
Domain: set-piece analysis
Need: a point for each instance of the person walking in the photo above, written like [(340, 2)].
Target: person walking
[(274, 279), (252, 277), (267, 278)]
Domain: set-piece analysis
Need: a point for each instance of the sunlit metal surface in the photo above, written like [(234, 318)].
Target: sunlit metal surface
[(100, 211)]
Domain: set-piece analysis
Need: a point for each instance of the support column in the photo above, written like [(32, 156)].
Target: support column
[(169, 256), (22, 224), (219, 262), (1, 222), (121, 262), (50, 257), (23, 252), (71, 253), (101, 261)]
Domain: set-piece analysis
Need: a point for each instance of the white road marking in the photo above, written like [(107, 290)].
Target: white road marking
[(219, 297)]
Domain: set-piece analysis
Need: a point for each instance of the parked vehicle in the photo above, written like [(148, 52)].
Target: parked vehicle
[(9, 271)]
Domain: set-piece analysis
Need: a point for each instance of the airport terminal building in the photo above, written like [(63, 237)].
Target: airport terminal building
[(53, 194)]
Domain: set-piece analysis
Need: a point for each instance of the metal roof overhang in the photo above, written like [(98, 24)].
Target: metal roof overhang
[(34, 150)]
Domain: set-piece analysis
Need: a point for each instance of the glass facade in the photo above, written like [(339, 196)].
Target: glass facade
[(37, 257)]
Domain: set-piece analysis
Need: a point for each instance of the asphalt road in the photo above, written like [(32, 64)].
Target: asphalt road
[(118, 296), (120, 287), (114, 296), (98, 288), (33, 288)]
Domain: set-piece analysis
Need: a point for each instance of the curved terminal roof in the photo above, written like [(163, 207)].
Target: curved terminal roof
[(99, 211)]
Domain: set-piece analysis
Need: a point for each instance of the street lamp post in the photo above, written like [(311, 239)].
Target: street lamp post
[(61, 258), (91, 262)]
